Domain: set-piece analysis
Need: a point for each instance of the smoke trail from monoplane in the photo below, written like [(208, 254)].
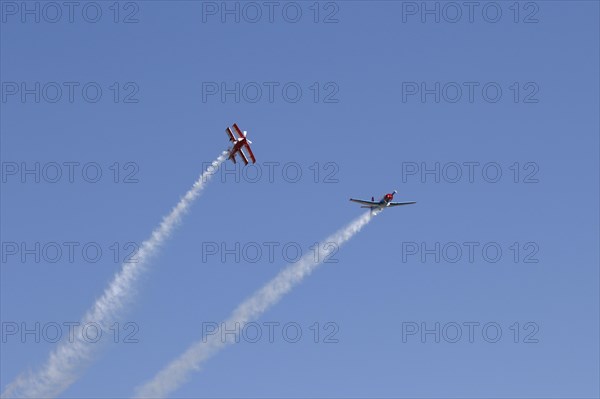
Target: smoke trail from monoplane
[(67, 360), (176, 373)]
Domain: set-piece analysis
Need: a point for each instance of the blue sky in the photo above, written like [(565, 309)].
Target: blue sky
[(364, 133)]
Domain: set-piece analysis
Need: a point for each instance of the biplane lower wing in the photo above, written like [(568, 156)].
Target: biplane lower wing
[(249, 152), (230, 135)]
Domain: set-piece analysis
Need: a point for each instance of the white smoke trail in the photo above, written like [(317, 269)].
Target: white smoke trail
[(176, 373), (67, 360)]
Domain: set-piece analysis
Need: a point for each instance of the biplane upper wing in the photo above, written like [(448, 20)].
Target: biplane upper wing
[(243, 156), (230, 135), (238, 131)]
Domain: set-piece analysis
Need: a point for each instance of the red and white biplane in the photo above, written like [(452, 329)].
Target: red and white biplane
[(240, 144)]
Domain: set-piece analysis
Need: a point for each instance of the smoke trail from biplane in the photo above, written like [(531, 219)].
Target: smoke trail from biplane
[(66, 362), (176, 373)]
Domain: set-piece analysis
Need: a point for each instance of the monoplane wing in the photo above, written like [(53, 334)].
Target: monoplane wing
[(401, 203), (363, 202)]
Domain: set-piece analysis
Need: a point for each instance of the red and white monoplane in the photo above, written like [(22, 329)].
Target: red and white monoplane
[(385, 202)]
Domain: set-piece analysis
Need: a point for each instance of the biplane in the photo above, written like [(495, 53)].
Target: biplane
[(240, 144)]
